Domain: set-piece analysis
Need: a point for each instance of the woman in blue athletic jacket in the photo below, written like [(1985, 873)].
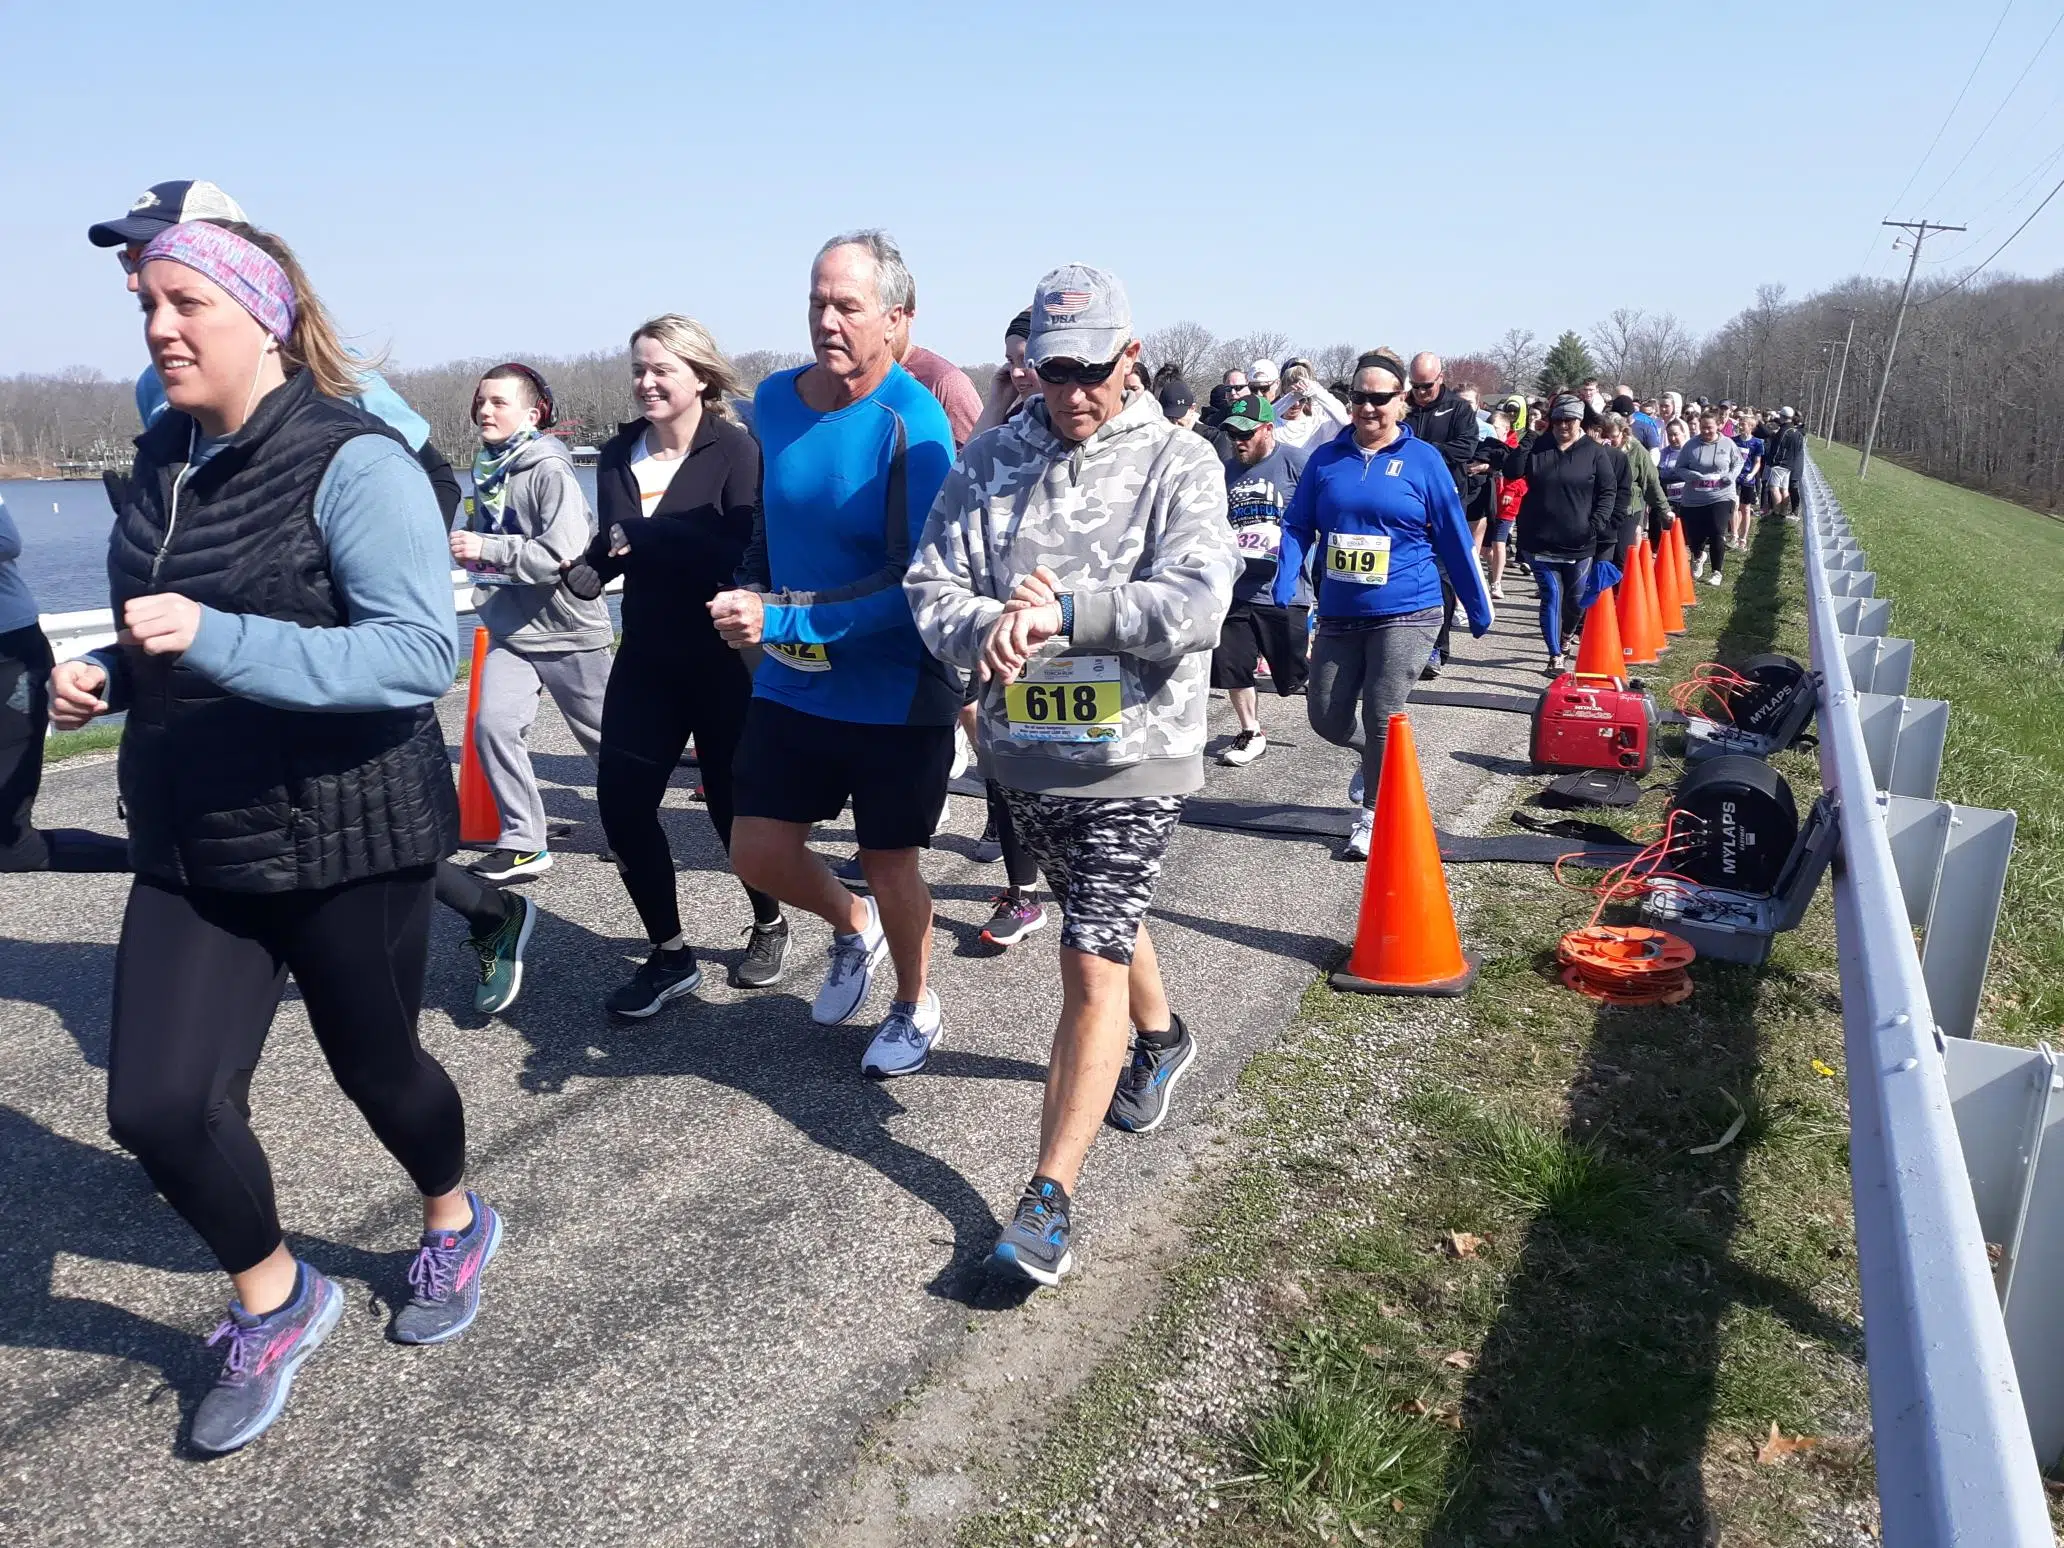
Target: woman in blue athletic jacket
[(1379, 506)]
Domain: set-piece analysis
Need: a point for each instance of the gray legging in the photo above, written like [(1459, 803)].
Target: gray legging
[(1367, 671)]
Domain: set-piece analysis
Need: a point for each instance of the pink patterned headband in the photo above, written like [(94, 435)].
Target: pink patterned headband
[(243, 269)]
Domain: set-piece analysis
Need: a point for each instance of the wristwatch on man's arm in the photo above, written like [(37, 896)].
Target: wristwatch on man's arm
[(1067, 603)]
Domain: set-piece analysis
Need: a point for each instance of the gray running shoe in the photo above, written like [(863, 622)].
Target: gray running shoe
[(445, 1279), (905, 1039), (1035, 1243), (1140, 1104), (766, 957), (258, 1366)]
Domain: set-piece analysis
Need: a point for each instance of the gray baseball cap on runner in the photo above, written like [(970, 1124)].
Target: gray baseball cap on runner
[(1079, 313)]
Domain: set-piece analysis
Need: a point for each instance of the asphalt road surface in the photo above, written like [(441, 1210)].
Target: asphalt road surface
[(726, 1253)]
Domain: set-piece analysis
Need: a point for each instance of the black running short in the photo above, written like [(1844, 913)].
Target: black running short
[(794, 767), (1252, 631)]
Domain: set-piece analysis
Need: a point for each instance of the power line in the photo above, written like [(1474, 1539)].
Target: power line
[(1943, 128), (1920, 230), (1960, 284), (2009, 97)]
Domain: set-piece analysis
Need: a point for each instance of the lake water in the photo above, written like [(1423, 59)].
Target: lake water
[(64, 527)]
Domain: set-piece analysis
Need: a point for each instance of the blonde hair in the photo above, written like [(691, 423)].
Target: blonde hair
[(687, 340), (312, 345)]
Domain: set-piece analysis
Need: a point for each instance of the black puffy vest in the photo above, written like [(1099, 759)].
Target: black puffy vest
[(223, 791)]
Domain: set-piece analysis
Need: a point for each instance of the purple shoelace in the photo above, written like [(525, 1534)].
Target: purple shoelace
[(246, 1349), (430, 1276)]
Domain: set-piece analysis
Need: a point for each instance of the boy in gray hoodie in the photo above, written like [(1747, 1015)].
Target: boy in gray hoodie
[(1078, 561), (527, 519)]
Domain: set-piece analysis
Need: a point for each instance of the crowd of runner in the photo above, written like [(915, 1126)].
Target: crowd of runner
[(890, 577)]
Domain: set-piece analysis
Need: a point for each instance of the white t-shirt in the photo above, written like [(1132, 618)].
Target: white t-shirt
[(654, 476)]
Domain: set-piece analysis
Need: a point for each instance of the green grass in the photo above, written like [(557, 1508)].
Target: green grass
[(1978, 584), (1549, 1321), (71, 744)]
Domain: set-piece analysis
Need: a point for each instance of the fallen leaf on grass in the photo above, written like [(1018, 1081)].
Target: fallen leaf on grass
[(1823, 1070), (1459, 1359), (1415, 1408), (1777, 1445), (1740, 1117), (1460, 1244), (1448, 1418)]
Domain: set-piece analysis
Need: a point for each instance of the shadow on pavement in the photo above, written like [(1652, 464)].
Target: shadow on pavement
[(73, 978)]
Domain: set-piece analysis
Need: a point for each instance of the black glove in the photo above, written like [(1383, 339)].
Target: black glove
[(580, 579)]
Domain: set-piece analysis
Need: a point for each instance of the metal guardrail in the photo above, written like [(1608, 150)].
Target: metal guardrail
[(1956, 1462)]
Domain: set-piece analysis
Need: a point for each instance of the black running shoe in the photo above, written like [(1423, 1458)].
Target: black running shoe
[(507, 865), (766, 957), (1140, 1103), (665, 975)]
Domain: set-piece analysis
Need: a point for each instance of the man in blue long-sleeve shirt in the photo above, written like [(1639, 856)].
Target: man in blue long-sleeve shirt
[(847, 702)]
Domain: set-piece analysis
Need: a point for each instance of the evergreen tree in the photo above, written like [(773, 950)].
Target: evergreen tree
[(1568, 363)]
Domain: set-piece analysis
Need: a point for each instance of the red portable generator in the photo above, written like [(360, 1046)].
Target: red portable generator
[(1591, 722)]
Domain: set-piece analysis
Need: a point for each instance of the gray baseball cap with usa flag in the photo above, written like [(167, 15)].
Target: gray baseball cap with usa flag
[(1079, 313)]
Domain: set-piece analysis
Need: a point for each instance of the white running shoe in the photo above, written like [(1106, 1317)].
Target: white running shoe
[(1497, 593), (904, 1040), (1358, 836), (851, 973), (1245, 748), (1713, 579), (1698, 567)]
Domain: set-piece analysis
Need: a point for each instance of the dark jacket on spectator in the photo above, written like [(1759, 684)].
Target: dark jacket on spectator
[(1569, 499), (1448, 425)]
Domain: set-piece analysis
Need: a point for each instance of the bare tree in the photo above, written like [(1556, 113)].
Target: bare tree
[(1334, 362), (1185, 345), (1615, 341), (1518, 356)]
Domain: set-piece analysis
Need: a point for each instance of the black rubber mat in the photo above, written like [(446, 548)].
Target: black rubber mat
[(1446, 698), (1324, 822)]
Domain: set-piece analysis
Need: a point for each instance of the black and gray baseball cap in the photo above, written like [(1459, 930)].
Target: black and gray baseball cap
[(1079, 313), (1176, 397), (162, 205)]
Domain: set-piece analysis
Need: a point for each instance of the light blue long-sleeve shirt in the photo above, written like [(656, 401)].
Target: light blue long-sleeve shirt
[(17, 606), (392, 574)]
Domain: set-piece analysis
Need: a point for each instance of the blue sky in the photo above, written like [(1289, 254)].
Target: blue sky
[(487, 180)]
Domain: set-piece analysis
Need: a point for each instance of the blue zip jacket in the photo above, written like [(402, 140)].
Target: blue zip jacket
[(844, 499), (1404, 493)]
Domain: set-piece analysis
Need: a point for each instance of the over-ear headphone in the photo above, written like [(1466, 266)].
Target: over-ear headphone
[(538, 386)]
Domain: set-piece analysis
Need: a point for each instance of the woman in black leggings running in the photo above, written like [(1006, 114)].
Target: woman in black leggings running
[(287, 625), (678, 490)]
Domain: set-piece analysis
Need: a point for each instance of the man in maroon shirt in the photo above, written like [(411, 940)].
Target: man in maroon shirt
[(942, 378)]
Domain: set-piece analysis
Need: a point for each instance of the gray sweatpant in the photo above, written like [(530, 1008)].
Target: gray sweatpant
[(509, 689), (1368, 672)]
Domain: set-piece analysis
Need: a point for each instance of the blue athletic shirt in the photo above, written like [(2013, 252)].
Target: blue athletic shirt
[(1752, 455), (1403, 493), (833, 553)]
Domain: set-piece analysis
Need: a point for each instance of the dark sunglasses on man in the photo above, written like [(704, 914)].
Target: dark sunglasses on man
[(1432, 386), (1060, 373)]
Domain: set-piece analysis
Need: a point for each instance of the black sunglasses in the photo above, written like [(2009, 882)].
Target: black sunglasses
[(1243, 436), (1426, 386), (1371, 399), (1059, 373), (129, 256)]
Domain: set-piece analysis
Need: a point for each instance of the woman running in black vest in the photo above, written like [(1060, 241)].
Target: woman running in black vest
[(287, 626)]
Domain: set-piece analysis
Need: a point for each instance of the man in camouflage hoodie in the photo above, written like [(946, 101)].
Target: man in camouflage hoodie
[(1078, 561)]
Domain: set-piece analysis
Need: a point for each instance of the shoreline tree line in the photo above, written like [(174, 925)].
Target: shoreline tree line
[(1977, 392)]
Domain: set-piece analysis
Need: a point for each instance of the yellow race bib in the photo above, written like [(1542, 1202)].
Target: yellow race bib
[(1067, 699), (804, 658), (1362, 558)]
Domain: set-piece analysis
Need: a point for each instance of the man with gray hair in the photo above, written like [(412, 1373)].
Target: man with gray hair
[(847, 702), (1079, 561)]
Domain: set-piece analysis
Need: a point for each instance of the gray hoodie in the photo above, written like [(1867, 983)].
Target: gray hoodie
[(1133, 522), (1708, 470), (543, 501)]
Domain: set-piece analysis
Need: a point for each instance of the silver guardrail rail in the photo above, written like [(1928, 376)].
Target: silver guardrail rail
[(1956, 1462)]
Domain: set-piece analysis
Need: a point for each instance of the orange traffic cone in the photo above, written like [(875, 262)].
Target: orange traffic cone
[(1668, 602), (1599, 653), (1633, 621), (1687, 592), (480, 820), (1405, 940), (1643, 560)]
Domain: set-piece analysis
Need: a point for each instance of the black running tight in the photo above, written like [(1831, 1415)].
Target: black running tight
[(1020, 867), (198, 976), (655, 702), (1705, 531)]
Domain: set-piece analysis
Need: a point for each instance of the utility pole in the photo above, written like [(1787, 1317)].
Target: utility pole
[(1920, 230), (1828, 434), (1827, 376)]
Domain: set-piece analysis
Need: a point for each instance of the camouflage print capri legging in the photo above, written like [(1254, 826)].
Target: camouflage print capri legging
[(1102, 857)]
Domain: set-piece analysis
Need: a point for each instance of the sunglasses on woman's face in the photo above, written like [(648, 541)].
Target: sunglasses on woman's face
[(1060, 373), (1371, 399), (130, 257)]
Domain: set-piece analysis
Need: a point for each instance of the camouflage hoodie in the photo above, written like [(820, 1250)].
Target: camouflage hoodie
[(1133, 522)]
